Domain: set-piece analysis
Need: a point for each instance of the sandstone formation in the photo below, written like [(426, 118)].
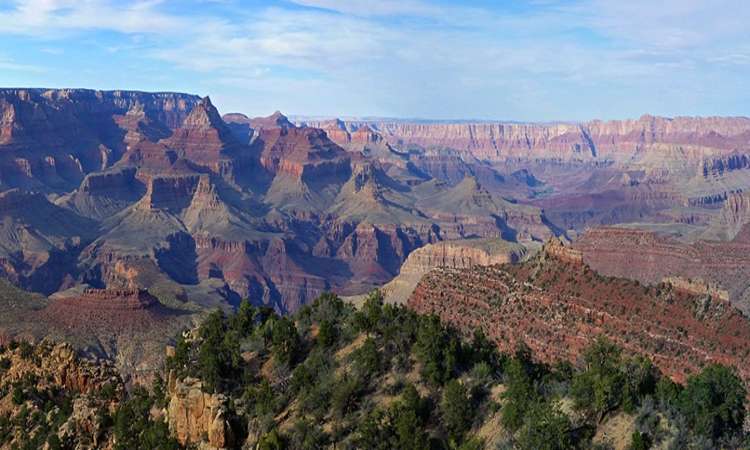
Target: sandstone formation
[(40, 241), (106, 309), (460, 254), (733, 216), (126, 326), (196, 417), (50, 139), (557, 305), (60, 394), (60, 364)]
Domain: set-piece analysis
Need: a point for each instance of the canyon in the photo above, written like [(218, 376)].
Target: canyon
[(128, 218), (134, 211)]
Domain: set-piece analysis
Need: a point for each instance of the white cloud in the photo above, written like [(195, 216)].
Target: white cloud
[(10, 65), (52, 17), (416, 57), (371, 8), (668, 24)]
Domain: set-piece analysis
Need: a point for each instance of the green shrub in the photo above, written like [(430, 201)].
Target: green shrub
[(285, 341), (639, 441), (306, 435), (456, 410), (133, 427), (667, 392), (713, 402), (545, 427), (327, 334), (345, 396), (438, 349), (366, 359), (520, 394), (599, 387), (368, 317)]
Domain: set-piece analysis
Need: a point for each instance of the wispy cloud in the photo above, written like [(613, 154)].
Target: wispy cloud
[(371, 8), (52, 17), (540, 59), (8, 64)]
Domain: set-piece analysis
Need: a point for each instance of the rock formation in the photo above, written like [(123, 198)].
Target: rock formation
[(650, 257), (51, 138), (617, 140), (48, 390), (459, 254), (196, 417), (557, 305), (591, 173), (733, 216), (203, 137), (111, 310)]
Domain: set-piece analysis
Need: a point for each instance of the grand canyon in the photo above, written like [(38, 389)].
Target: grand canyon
[(127, 217)]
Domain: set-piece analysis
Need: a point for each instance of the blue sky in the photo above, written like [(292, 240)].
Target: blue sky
[(534, 60)]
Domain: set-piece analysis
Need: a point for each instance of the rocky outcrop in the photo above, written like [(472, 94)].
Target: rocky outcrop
[(356, 138), (295, 280), (558, 249), (60, 364), (275, 120), (39, 241), (734, 214), (38, 116), (459, 254), (698, 287), (718, 166), (103, 194), (44, 377), (171, 193), (293, 151), (474, 211), (196, 417), (374, 253)]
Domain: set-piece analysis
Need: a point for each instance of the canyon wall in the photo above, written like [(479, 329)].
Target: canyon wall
[(588, 141), (49, 139)]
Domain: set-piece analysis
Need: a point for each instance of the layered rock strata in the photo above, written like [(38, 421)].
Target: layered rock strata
[(557, 305)]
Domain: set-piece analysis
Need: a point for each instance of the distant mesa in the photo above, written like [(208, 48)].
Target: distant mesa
[(106, 309)]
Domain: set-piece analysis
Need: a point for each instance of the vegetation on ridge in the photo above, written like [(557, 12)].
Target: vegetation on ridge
[(384, 377)]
